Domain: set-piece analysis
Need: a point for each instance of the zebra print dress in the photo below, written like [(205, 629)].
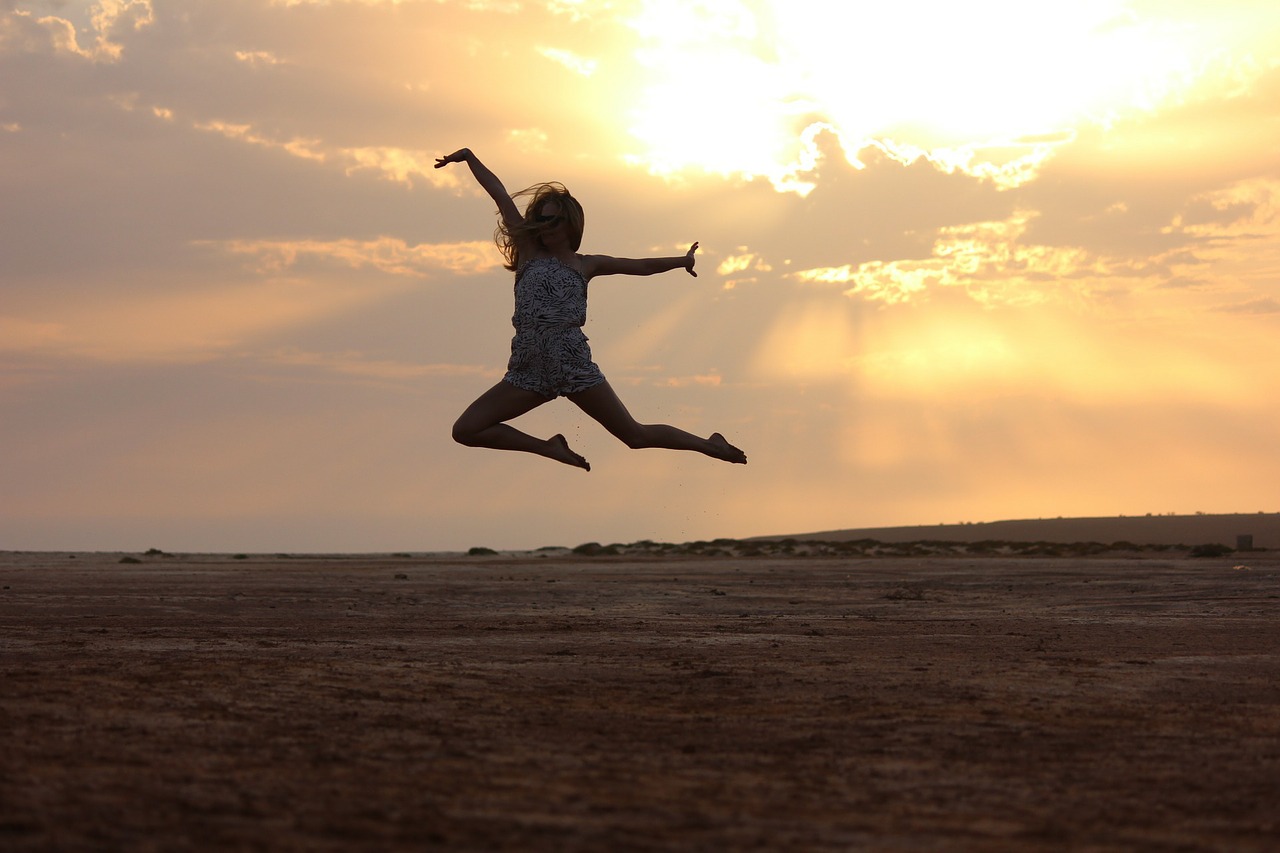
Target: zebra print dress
[(549, 353)]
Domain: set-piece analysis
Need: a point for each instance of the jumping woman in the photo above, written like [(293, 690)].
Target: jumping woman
[(549, 353)]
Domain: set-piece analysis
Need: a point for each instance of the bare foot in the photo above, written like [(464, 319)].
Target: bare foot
[(561, 453), (722, 449)]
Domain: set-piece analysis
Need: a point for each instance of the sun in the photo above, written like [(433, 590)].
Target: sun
[(731, 87), (713, 97)]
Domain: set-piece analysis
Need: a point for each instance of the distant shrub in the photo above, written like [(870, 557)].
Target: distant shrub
[(1211, 550), (481, 552), (130, 560), (595, 549)]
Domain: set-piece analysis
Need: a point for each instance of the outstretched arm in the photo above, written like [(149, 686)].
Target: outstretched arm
[(593, 265), (488, 181)]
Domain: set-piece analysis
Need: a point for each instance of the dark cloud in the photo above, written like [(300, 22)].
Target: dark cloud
[(1266, 305), (888, 210)]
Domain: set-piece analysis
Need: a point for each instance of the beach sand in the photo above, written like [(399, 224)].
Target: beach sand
[(560, 703)]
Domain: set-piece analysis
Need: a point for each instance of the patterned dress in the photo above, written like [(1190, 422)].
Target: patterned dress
[(549, 353)]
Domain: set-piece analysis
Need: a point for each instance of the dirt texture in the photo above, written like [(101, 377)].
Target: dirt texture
[(535, 703)]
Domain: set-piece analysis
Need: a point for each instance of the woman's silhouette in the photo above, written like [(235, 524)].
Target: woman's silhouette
[(549, 353)]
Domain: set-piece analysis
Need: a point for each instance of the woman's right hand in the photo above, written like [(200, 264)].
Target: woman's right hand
[(459, 156)]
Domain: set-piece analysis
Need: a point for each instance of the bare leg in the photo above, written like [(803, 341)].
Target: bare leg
[(602, 403), (483, 425)]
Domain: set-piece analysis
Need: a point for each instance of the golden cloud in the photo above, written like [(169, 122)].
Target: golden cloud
[(581, 65), (400, 165), (992, 264)]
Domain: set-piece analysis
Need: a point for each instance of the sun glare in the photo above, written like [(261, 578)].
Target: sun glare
[(730, 89)]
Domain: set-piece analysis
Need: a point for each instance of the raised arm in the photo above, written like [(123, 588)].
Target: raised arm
[(593, 265), (488, 181)]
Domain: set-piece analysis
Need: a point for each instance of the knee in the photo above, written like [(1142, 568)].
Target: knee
[(635, 437), (463, 432)]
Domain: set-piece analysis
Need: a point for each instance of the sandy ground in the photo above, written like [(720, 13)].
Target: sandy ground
[(567, 704)]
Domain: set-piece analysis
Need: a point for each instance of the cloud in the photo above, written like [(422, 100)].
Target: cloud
[(995, 263), (107, 20), (259, 58), (1139, 186), (1091, 221), (186, 326), (393, 164), (706, 380), (1013, 73), (292, 3), (22, 334), (305, 149), (877, 206), (1264, 305), (891, 283), (570, 60), (360, 366), (742, 268), (385, 254), (891, 222)]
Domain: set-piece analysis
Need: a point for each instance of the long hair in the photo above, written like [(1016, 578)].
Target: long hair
[(510, 238)]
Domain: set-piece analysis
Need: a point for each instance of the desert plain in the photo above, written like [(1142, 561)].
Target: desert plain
[(560, 702)]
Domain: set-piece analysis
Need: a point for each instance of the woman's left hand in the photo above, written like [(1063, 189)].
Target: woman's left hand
[(689, 266)]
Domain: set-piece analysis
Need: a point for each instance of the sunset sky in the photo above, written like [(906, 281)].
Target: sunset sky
[(960, 262)]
